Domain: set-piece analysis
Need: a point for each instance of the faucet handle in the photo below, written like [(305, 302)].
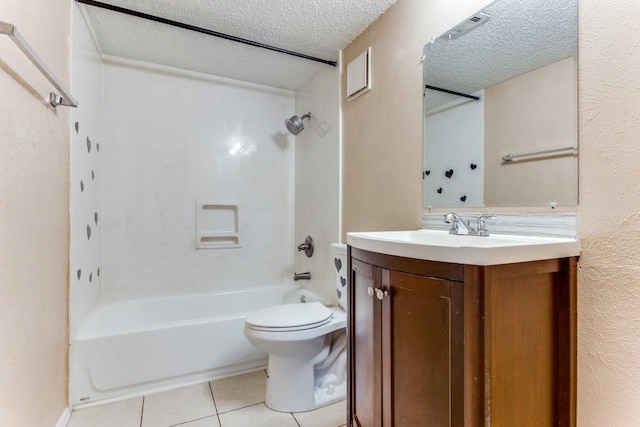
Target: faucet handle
[(481, 226), (307, 247)]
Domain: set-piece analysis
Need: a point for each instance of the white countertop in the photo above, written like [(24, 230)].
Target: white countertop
[(436, 245)]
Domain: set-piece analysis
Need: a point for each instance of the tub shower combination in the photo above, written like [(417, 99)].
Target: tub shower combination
[(131, 347)]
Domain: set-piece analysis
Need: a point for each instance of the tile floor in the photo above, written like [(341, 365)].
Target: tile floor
[(230, 402)]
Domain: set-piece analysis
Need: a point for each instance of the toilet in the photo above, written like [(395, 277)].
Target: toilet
[(307, 347)]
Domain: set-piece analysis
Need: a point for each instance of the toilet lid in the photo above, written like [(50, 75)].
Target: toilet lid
[(307, 315)]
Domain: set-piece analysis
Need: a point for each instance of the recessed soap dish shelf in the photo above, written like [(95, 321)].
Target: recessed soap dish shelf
[(217, 225)]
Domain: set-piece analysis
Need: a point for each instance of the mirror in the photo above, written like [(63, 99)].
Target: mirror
[(501, 110)]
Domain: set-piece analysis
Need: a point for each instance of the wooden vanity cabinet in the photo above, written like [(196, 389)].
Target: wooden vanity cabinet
[(440, 344)]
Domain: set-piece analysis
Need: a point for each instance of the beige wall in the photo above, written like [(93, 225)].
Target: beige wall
[(534, 111), (382, 165), (34, 228), (609, 276), (382, 131)]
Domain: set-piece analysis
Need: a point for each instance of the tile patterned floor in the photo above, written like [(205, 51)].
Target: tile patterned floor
[(231, 402)]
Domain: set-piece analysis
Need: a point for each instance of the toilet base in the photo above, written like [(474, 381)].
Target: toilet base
[(313, 386), (299, 394)]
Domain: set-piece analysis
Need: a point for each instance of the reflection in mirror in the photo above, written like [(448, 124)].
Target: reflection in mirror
[(500, 108)]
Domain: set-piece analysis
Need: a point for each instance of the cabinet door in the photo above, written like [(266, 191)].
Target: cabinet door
[(365, 346), (417, 335)]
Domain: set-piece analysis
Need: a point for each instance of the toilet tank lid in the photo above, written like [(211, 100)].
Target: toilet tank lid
[(289, 315), (339, 248)]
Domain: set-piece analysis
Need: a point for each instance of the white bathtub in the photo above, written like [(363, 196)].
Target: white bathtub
[(133, 347)]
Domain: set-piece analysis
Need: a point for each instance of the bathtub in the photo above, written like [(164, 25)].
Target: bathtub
[(130, 348)]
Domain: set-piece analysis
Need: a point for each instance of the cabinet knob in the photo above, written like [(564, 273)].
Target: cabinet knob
[(380, 294), (371, 291)]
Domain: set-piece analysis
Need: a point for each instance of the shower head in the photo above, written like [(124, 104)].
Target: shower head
[(295, 125)]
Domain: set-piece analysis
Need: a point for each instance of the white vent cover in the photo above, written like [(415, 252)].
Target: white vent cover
[(469, 24), (359, 75)]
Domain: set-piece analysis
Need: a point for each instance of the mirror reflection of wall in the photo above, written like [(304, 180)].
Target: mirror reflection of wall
[(520, 63), (458, 181)]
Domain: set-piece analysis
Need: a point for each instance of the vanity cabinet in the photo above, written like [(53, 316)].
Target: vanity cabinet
[(441, 344)]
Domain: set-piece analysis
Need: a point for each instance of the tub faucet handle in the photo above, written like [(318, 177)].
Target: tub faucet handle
[(307, 246)]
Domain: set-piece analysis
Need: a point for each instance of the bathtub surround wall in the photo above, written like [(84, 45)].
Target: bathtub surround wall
[(85, 172), (317, 180), (383, 128), (174, 138), (176, 145), (34, 260)]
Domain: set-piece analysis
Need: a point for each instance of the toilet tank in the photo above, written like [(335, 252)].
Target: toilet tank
[(339, 261)]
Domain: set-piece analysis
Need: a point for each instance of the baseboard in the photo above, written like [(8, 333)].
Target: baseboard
[(64, 418)]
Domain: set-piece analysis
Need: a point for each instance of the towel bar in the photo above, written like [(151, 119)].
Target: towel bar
[(66, 98)]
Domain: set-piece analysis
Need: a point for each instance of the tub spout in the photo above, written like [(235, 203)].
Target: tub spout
[(301, 276)]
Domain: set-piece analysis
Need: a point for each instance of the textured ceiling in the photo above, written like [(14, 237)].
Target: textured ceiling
[(520, 36), (312, 27)]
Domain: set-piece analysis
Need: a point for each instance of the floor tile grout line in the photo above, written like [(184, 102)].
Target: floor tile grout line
[(243, 407), (213, 397), (142, 411), (295, 419), (215, 406), (195, 419)]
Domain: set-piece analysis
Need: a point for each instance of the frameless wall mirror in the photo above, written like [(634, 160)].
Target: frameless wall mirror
[(500, 108)]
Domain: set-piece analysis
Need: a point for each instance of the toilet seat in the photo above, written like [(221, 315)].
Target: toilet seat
[(289, 317)]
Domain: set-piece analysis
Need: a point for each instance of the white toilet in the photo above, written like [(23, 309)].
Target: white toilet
[(307, 345)]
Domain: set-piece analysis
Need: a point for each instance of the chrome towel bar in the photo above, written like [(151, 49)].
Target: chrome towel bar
[(564, 151), (65, 98)]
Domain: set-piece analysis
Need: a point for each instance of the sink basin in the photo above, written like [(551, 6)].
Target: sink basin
[(436, 245)]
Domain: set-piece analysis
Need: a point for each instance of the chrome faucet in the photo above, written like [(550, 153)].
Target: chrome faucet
[(301, 276), (460, 226)]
